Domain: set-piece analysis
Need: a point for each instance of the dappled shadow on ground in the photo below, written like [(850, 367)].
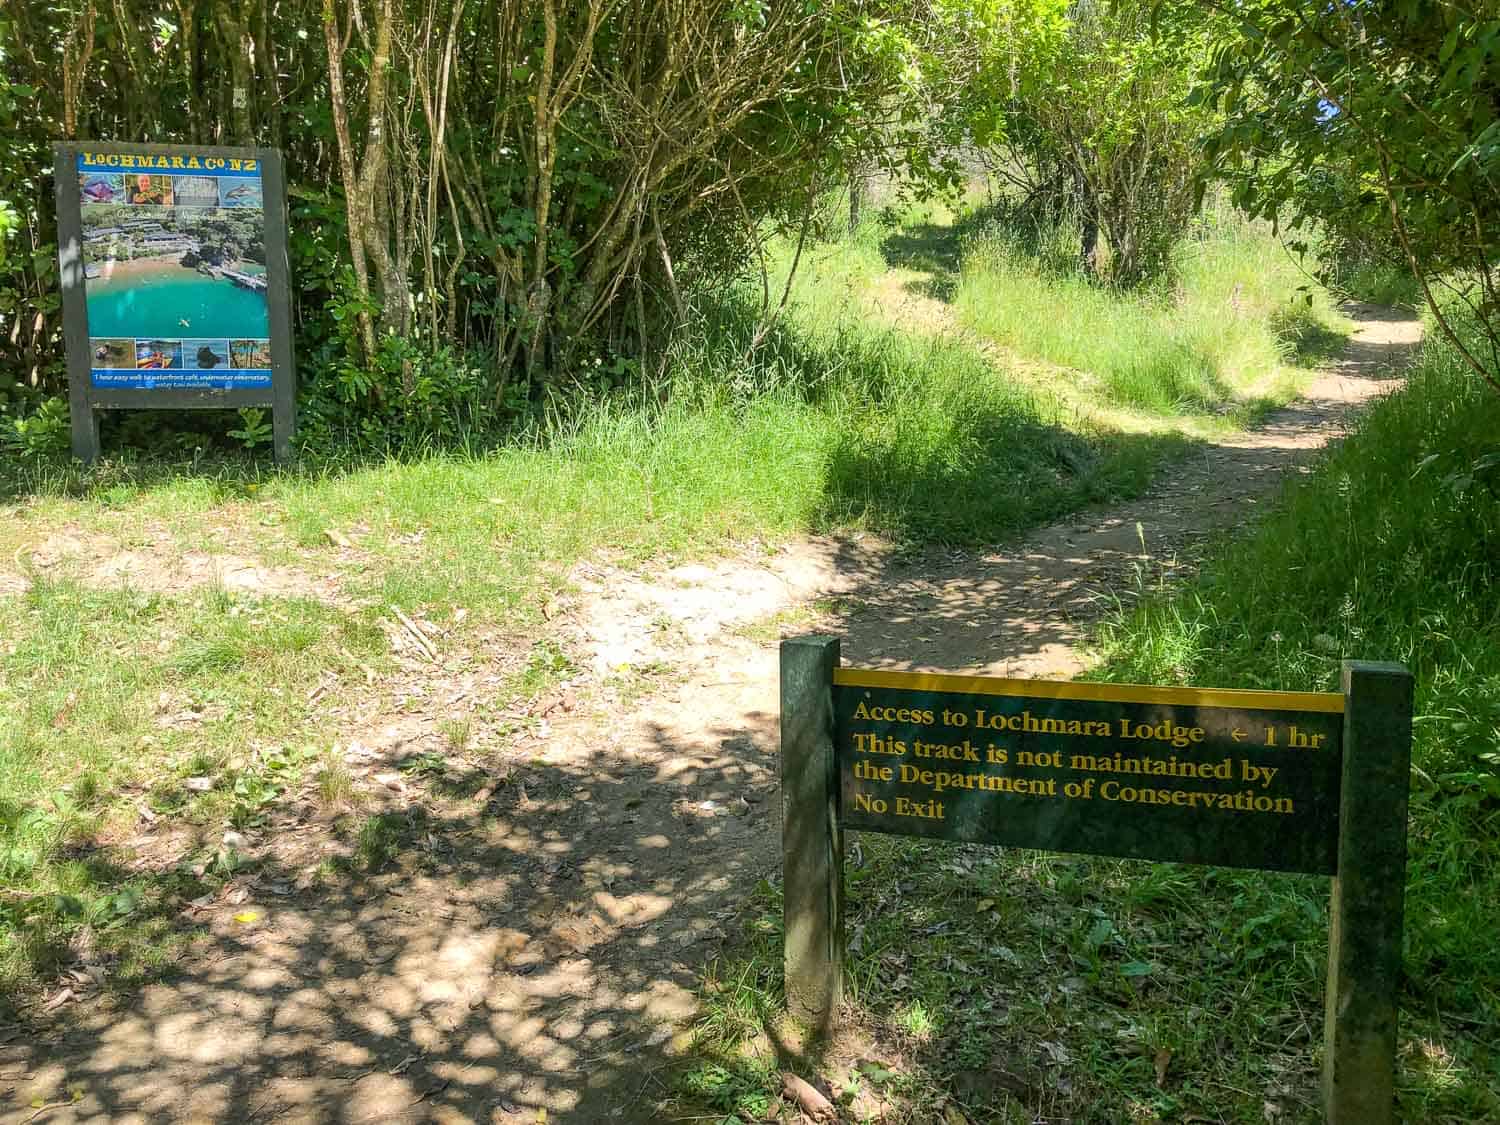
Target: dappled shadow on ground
[(931, 249), (523, 951)]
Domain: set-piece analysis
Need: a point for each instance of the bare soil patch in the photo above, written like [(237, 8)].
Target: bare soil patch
[(155, 563)]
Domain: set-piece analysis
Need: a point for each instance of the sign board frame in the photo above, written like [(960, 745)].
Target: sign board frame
[(1365, 818), (85, 400)]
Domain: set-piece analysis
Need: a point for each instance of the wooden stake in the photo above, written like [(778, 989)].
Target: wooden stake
[(1364, 940), (812, 846)]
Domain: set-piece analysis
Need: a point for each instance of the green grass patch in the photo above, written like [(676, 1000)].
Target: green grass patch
[(1392, 552), (1015, 985), (1379, 282), (110, 702), (1231, 335)]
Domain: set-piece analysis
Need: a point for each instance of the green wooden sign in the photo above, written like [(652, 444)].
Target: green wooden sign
[(1234, 778), (1282, 781)]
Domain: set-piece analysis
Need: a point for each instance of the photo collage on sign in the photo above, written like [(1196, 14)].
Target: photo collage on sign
[(175, 275)]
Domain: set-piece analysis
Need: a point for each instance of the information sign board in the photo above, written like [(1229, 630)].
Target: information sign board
[(1234, 778), (174, 278), (1283, 781)]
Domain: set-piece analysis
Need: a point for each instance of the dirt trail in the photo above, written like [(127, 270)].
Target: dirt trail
[(536, 945)]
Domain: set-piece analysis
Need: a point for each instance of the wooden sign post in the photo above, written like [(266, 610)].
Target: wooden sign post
[(1369, 892), (1279, 781)]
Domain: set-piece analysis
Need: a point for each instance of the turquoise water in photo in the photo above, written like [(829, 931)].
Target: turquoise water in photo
[(139, 304)]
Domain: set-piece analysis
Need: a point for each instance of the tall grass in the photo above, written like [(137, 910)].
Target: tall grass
[(1390, 552), (1230, 334), (917, 439)]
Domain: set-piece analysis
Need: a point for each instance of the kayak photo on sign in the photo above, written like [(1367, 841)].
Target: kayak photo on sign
[(250, 353), (158, 355), (113, 354)]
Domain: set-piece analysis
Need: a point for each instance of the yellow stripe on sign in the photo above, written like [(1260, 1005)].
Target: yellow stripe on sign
[(1326, 702)]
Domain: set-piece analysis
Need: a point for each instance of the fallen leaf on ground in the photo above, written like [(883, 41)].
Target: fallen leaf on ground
[(812, 1103), (59, 1000), (60, 719), (1058, 1053)]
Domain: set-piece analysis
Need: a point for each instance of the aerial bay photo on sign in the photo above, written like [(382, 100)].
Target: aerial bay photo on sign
[(175, 258)]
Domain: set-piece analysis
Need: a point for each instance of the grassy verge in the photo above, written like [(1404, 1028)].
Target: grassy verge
[(997, 985), (1232, 338)]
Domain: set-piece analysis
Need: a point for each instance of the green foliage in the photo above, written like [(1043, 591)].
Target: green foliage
[(536, 198), (1227, 340), (42, 433), (407, 396), (253, 430), (1101, 129), (1391, 551), (1379, 120)]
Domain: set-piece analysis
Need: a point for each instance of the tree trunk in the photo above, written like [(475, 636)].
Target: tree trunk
[(1088, 242), (374, 200), (352, 208), (187, 61), (234, 33), (77, 48), (1088, 218)]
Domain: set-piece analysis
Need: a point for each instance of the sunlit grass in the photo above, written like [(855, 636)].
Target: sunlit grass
[(1230, 335)]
